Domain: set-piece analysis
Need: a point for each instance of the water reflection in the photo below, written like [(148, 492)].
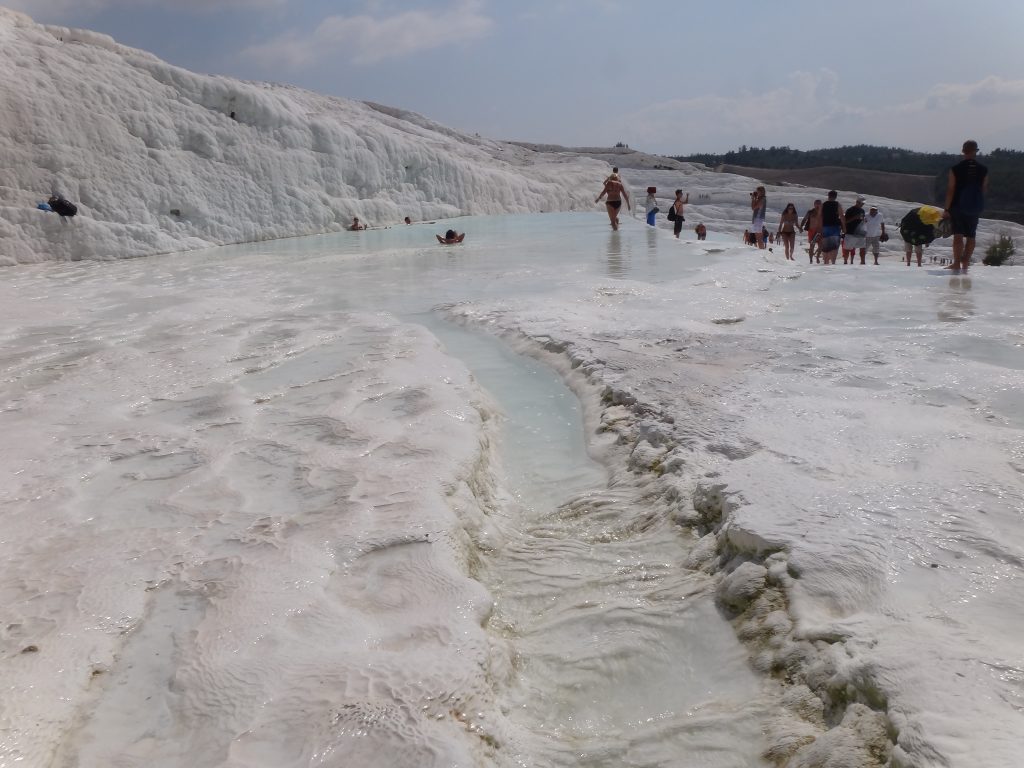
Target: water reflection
[(956, 303), (616, 264), (652, 246)]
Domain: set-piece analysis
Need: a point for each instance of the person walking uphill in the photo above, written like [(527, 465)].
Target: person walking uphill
[(965, 200), (616, 192)]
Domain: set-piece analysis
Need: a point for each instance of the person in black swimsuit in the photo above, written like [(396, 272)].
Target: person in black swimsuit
[(616, 192)]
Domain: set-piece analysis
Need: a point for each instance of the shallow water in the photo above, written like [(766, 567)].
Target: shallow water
[(231, 507), (258, 461)]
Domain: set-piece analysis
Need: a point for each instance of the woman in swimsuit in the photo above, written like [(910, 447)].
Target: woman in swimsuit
[(616, 192), (788, 223)]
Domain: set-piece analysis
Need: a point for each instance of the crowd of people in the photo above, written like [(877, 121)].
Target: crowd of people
[(676, 213), (833, 230)]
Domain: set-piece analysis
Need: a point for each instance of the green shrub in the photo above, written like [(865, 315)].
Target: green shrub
[(998, 252)]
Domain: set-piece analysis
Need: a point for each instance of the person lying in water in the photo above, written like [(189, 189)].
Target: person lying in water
[(450, 237)]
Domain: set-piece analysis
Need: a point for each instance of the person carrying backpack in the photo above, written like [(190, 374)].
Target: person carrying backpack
[(965, 200)]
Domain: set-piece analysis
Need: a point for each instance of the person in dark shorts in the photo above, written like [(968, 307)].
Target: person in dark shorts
[(678, 207), (965, 200), (832, 228)]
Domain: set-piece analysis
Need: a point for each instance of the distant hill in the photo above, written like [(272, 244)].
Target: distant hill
[(886, 171), (898, 186)]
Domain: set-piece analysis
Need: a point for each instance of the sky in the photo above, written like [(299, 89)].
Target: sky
[(661, 76)]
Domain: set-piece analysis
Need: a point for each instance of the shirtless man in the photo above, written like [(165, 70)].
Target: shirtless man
[(616, 193), (811, 224), (678, 208)]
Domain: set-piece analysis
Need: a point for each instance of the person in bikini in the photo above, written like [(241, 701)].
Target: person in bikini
[(787, 229), (616, 193)]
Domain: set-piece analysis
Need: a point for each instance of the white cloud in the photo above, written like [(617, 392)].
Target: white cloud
[(809, 111), (807, 104), (991, 90), (364, 39), (47, 10)]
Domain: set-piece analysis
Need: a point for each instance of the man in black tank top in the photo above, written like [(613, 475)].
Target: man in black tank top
[(831, 227), (965, 200)]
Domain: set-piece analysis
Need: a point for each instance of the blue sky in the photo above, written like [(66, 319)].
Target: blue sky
[(662, 76)]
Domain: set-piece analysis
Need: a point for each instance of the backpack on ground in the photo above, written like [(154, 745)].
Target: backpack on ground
[(63, 207)]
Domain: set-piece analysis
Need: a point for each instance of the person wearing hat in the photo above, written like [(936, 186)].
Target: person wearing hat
[(616, 192), (874, 231), (651, 206), (965, 200), (854, 240)]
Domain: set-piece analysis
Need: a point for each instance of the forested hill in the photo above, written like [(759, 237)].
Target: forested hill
[(1006, 168)]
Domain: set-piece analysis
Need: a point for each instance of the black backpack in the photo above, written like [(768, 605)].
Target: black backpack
[(64, 207)]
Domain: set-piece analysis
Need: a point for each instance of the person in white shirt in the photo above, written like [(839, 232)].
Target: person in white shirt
[(874, 227), (651, 206)]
